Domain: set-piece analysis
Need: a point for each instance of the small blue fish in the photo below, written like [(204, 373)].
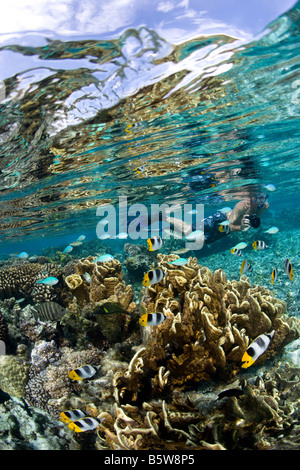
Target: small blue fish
[(48, 281), (179, 262), (68, 249), (20, 300), (103, 259), (270, 187), (23, 255), (122, 235), (272, 230), (80, 238), (225, 210), (240, 246), (87, 277), (227, 222), (195, 236)]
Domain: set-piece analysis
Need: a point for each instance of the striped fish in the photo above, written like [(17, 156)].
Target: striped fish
[(289, 269), (48, 311), (71, 415), (152, 319), (82, 373), (274, 275), (84, 424), (154, 276), (236, 252), (259, 245)]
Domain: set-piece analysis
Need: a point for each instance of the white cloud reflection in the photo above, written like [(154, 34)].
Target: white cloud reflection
[(97, 17)]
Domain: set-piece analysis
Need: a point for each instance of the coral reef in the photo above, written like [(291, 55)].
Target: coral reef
[(20, 281), (209, 324), (264, 416), (3, 329), (13, 375), (153, 388), (138, 261)]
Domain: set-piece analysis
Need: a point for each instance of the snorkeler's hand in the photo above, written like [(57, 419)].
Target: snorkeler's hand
[(245, 224), (179, 225)]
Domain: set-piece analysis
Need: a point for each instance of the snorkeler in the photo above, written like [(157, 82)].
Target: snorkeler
[(245, 214)]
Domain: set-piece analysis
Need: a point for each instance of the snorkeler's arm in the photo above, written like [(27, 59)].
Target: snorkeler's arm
[(179, 225), (238, 213)]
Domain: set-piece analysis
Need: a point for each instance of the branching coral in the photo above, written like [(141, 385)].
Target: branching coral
[(21, 280), (209, 324)]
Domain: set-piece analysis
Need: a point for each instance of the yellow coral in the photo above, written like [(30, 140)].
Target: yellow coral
[(73, 281)]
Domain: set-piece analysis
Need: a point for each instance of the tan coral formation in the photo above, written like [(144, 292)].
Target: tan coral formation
[(210, 323), (106, 285), (264, 416)]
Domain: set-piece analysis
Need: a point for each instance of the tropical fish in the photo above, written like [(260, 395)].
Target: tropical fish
[(226, 222), (87, 277), (179, 262), (49, 311), (48, 281), (23, 255), (225, 210), (259, 245), (83, 372), (256, 349), (68, 249), (181, 251), (272, 230), (240, 246), (224, 228), (80, 238), (111, 307), (152, 319), (103, 259), (20, 300), (192, 212), (246, 267), (104, 236), (71, 415), (194, 236), (274, 275), (122, 235), (289, 269), (236, 252), (33, 258), (139, 169), (154, 243), (84, 424), (76, 243), (270, 187), (152, 277)]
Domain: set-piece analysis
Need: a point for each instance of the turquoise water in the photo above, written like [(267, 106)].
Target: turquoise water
[(208, 119), (80, 116)]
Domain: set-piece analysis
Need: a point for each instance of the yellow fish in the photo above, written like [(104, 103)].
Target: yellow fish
[(71, 415), (83, 372), (84, 424), (289, 269), (154, 243), (152, 277), (152, 319), (256, 349)]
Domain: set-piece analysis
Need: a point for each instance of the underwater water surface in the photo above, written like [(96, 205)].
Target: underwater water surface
[(209, 119)]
